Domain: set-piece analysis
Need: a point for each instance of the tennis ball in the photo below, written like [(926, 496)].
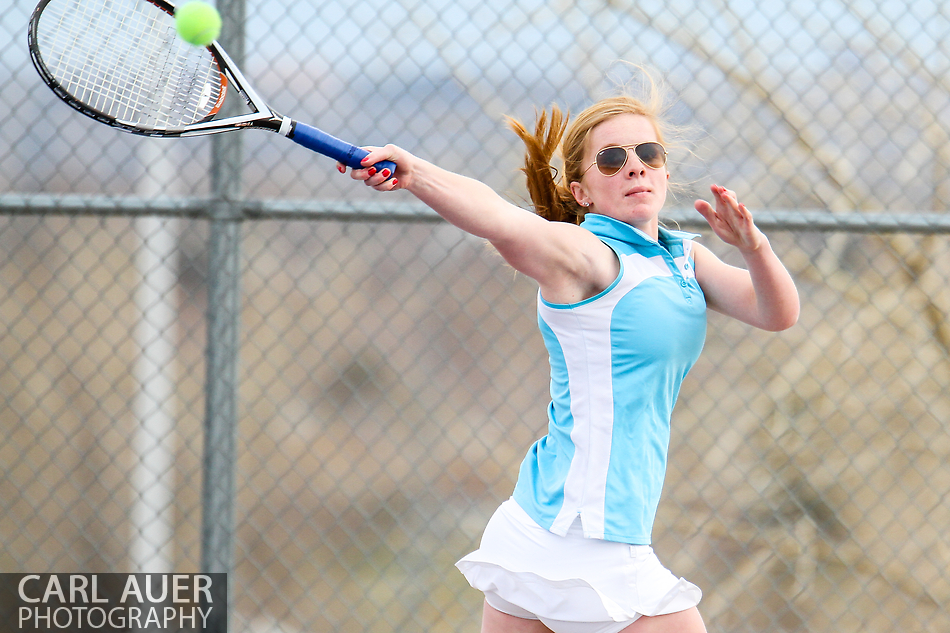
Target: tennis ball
[(198, 23)]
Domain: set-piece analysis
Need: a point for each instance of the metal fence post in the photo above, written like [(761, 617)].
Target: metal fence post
[(224, 304)]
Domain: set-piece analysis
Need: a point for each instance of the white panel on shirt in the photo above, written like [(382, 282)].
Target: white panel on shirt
[(584, 335)]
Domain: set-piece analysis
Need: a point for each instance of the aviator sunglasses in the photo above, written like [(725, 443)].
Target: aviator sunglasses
[(611, 160)]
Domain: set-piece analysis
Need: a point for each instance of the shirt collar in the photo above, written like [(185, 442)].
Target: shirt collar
[(605, 226)]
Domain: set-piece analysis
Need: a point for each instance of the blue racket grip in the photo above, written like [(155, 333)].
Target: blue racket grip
[(322, 143)]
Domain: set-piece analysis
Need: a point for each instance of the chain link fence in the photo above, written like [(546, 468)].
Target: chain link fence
[(382, 373)]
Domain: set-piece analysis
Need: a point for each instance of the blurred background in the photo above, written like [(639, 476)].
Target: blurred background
[(370, 377)]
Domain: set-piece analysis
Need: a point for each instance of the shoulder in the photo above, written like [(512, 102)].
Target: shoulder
[(709, 268), (702, 254)]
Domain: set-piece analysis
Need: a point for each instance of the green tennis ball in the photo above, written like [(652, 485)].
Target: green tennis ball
[(198, 23)]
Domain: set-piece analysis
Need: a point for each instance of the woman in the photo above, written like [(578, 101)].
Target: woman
[(622, 304)]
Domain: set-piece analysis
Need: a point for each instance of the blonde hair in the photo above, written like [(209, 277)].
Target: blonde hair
[(552, 197)]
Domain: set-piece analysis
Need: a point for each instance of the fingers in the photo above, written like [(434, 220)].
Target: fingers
[(705, 209), (728, 208), (371, 176), (379, 179), (731, 220), (725, 199)]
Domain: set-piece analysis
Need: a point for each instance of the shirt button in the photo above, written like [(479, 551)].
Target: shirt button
[(683, 283)]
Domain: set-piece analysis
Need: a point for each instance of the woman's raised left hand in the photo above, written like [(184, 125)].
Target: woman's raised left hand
[(731, 220)]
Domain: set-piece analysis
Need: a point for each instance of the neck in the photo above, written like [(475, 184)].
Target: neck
[(649, 226)]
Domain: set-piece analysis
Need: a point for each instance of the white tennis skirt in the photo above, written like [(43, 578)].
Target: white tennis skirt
[(571, 578)]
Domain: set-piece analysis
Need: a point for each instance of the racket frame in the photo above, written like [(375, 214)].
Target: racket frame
[(261, 115)]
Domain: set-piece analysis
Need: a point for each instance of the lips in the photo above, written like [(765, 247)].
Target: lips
[(637, 190)]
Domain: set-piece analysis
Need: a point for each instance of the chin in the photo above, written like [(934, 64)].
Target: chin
[(641, 216)]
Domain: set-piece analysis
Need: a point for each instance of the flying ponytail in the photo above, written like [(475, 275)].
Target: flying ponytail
[(552, 200)]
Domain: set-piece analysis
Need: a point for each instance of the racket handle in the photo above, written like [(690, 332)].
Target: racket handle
[(322, 143)]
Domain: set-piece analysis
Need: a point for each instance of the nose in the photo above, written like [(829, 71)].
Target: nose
[(635, 167)]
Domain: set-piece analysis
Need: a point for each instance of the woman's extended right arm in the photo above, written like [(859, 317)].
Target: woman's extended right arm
[(568, 262)]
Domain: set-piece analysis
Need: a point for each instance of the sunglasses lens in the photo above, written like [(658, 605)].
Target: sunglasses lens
[(610, 160), (651, 154)]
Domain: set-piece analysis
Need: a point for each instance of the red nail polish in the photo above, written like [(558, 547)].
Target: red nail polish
[(372, 171), (341, 169), (395, 182), (386, 173)]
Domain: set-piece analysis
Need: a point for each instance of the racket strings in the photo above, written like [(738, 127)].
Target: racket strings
[(123, 58)]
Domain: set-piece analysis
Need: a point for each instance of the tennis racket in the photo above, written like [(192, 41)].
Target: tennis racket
[(123, 63)]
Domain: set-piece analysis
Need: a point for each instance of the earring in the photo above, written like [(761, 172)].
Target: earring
[(586, 204)]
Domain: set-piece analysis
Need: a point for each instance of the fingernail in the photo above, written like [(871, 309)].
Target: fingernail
[(372, 171), (363, 160), (341, 169), (395, 182), (386, 173)]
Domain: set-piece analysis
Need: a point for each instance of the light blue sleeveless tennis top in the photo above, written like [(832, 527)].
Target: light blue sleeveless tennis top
[(617, 362)]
